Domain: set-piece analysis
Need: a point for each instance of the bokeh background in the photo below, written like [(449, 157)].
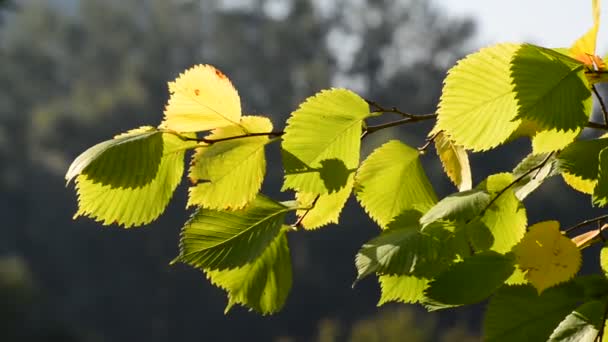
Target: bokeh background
[(74, 73)]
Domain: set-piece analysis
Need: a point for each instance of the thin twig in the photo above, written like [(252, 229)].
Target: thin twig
[(586, 223), (212, 141), (394, 110), (298, 223), (602, 105), (371, 129), (516, 180), (597, 125), (428, 142)]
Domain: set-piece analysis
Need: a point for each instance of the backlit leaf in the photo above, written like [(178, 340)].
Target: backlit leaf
[(227, 239), (553, 140), (547, 256), (134, 206), (585, 186), (461, 206), (322, 141), (402, 289), (604, 259), (533, 175), (202, 98), (551, 88), (228, 174), (472, 280), (455, 162), (600, 192), (129, 160), (519, 313), (584, 47), (391, 180), (581, 158), (477, 108), (582, 325), (262, 284), (327, 207)]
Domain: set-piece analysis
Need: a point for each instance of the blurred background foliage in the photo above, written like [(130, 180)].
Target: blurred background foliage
[(73, 73)]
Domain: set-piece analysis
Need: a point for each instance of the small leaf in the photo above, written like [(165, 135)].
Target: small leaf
[(461, 206), (604, 259), (229, 173), (322, 141), (518, 313), (582, 325), (477, 108), (392, 180), (553, 140), (129, 160), (600, 192), (551, 88), (547, 257), (455, 162), (202, 98), (228, 239), (471, 280), (402, 289), (585, 186), (262, 284), (327, 207), (536, 177), (584, 47), (134, 206), (581, 158)]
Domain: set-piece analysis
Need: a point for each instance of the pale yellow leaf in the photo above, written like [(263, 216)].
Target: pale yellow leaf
[(585, 186), (455, 162)]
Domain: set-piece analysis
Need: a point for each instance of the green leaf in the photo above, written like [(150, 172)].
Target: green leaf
[(228, 174), (551, 88), (402, 288), (582, 325), (471, 280), (322, 141), (518, 313), (534, 178), (604, 259), (391, 180), (134, 206), (455, 162), (461, 206), (553, 140), (227, 239), (400, 249), (327, 207), (263, 284), (581, 158), (506, 218), (600, 193), (129, 160), (477, 108)]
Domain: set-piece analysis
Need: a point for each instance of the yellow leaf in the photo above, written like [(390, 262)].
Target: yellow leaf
[(552, 140), (547, 256), (202, 98), (455, 161), (584, 47), (585, 186)]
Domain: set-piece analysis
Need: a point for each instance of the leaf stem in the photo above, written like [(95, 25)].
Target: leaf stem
[(516, 180), (428, 142), (274, 134), (298, 223), (586, 223), (416, 118), (394, 110), (602, 104)]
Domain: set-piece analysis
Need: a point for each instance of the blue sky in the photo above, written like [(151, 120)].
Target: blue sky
[(549, 23)]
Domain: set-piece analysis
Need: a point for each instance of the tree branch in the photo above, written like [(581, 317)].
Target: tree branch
[(586, 223), (394, 110), (213, 141), (602, 105), (597, 125), (415, 118), (298, 223)]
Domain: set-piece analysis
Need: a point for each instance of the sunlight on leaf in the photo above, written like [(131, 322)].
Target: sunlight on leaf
[(455, 162)]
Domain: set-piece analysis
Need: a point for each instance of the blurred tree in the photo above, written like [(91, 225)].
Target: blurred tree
[(77, 72)]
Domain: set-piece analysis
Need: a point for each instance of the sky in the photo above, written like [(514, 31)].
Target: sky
[(549, 23)]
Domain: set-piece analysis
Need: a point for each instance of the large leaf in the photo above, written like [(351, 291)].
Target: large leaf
[(129, 160), (455, 162), (322, 141), (472, 280), (551, 88), (477, 108), (229, 174), (391, 180), (134, 206), (262, 284), (228, 239), (202, 98), (535, 169), (582, 325), (402, 288), (581, 158), (324, 209), (547, 256), (600, 192), (518, 313), (401, 249)]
